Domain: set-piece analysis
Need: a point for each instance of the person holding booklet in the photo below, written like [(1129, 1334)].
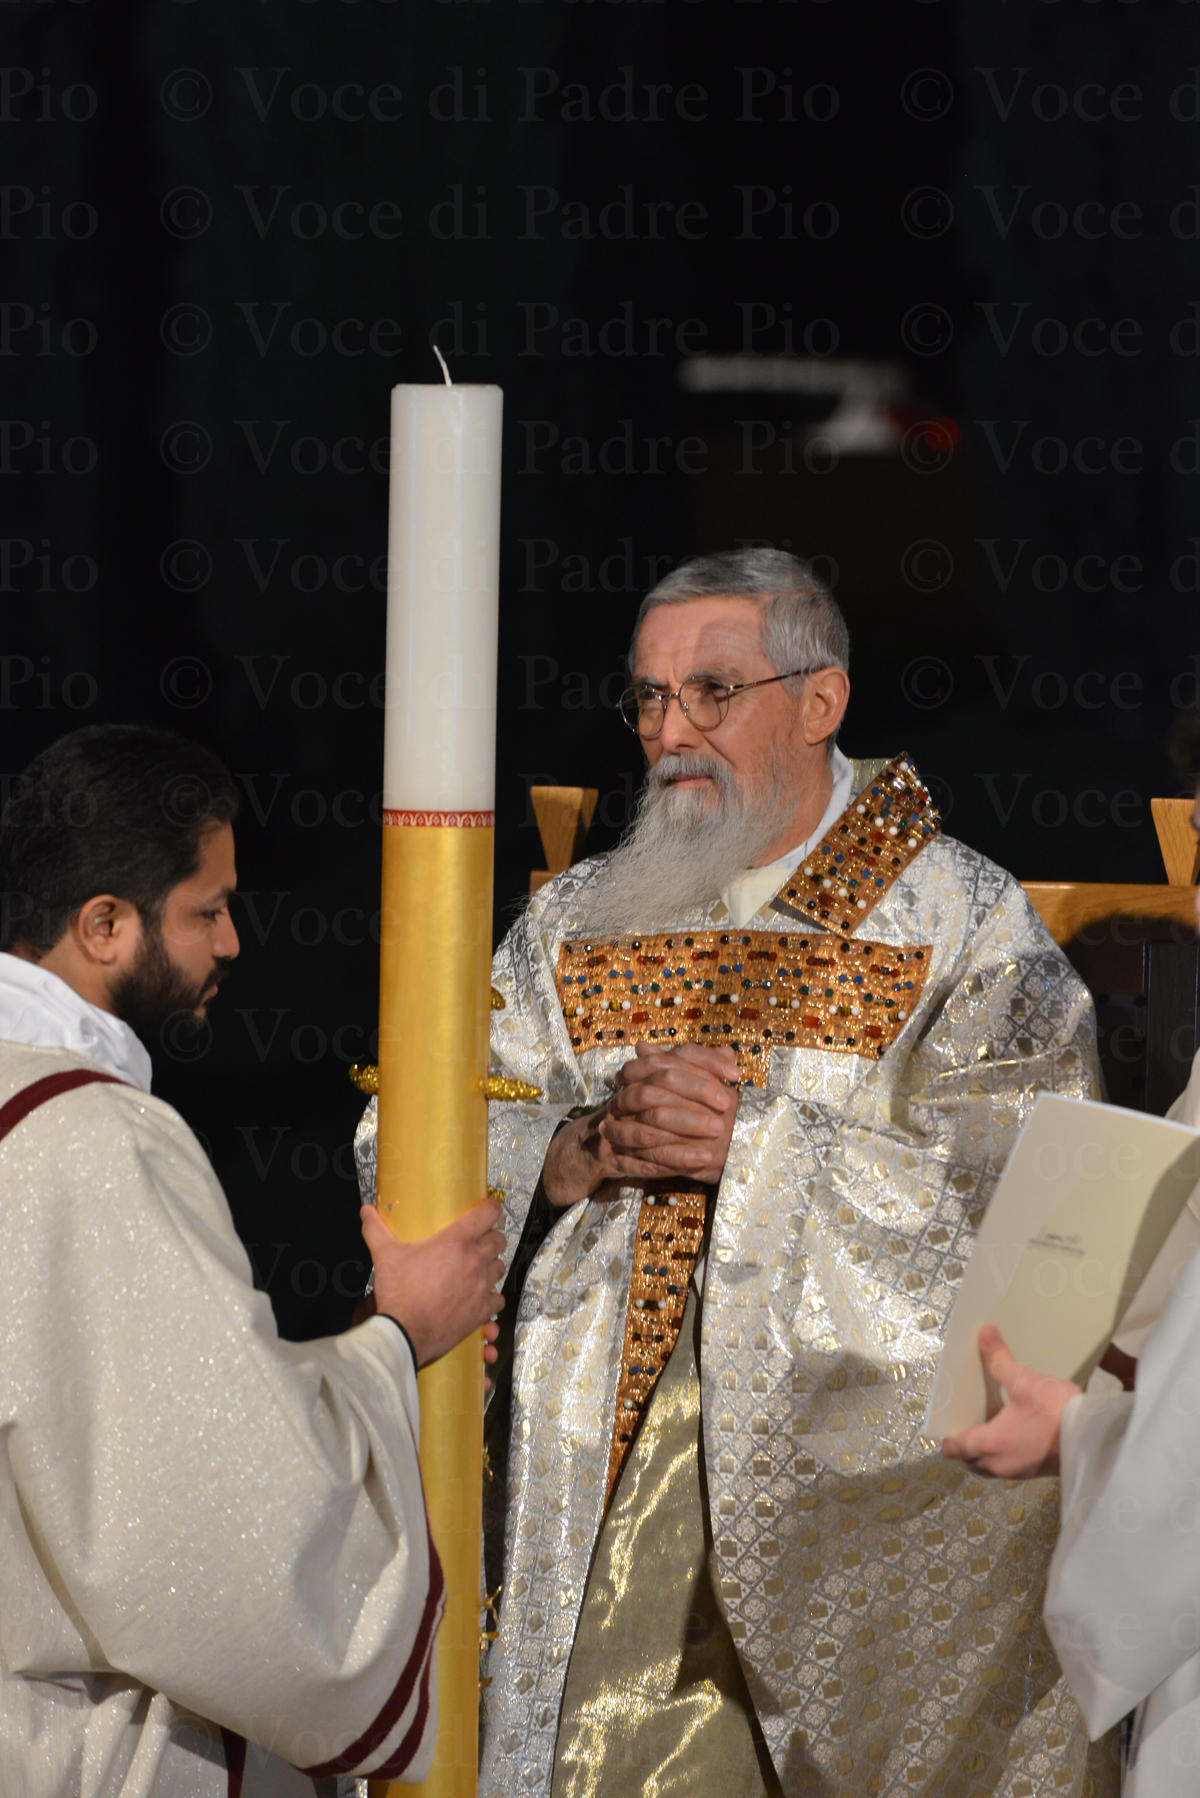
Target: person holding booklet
[(1123, 1595)]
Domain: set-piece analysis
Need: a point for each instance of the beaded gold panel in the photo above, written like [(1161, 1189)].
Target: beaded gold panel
[(669, 1234), (883, 828), (750, 990)]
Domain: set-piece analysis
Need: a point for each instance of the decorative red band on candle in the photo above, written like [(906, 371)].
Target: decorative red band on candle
[(444, 820)]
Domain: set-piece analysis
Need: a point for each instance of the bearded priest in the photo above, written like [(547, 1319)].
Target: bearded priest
[(786, 1033)]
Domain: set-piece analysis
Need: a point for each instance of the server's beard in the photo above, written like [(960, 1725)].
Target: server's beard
[(156, 991), (685, 844)]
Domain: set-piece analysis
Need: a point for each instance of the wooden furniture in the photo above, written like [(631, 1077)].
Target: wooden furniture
[(564, 816), (1136, 948), (1177, 840)]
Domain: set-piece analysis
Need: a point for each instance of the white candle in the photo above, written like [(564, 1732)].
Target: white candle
[(443, 587), (435, 946)]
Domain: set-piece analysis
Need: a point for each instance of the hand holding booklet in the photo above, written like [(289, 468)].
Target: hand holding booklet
[(1085, 1203)]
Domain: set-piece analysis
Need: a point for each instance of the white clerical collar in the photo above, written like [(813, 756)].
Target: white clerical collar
[(747, 893), (39, 1009)]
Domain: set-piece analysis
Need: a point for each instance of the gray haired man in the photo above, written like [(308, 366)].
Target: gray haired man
[(786, 1034)]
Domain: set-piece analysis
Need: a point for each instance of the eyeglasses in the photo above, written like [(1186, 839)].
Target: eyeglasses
[(704, 702)]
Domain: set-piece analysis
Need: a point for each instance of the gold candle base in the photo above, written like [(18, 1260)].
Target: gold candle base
[(434, 1005)]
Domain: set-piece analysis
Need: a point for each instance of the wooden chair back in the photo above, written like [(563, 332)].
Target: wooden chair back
[(1136, 948), (564, 817)]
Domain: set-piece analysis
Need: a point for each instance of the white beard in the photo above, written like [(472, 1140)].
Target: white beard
[(684, 845)]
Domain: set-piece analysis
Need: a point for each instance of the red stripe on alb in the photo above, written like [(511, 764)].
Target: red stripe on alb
[(444, 820), (416, 1663), (400, 1762), (235, 1761), (49, 1087)]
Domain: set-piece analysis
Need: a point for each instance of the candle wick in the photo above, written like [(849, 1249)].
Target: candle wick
[(442, 360)]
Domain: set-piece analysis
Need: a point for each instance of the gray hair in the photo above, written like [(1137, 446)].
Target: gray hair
[(802, 623)]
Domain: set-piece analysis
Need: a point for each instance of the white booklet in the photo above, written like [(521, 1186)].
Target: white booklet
[(1085, 1202)]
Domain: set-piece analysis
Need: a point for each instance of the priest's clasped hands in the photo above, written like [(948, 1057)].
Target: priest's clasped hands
[(673, 1112)]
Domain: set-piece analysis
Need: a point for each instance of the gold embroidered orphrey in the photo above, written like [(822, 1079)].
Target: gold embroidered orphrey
[(751, 990)]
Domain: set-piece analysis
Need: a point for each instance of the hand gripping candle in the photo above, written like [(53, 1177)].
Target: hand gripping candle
[(435, 947)]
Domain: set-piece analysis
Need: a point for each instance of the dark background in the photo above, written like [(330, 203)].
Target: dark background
[(228, 229)]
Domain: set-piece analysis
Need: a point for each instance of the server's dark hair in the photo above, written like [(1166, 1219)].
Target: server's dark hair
[(113, 808)]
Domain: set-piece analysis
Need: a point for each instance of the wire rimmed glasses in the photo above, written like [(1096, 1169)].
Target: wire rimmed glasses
[(703, 702)]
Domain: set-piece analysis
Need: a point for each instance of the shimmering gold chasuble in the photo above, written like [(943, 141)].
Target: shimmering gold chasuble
[(894, 1012), (655, 1698)]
